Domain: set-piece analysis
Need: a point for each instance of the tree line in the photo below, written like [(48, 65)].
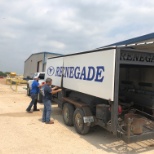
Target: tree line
[(4, 74)]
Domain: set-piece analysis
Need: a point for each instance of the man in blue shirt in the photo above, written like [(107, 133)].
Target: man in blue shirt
[(48, 91), (34, 94)]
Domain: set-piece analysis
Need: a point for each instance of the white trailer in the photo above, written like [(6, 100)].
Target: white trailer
[(98, 84)]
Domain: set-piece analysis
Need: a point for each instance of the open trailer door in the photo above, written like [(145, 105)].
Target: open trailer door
[(136, 94)]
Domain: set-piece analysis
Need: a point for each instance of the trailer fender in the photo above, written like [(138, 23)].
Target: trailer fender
[(87, 111)]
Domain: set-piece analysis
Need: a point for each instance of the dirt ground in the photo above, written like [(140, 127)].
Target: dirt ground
[(24, 133)]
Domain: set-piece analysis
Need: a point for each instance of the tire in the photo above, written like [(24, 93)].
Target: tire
[(68, 111), (40, 98), (79, 124), (28, 90)]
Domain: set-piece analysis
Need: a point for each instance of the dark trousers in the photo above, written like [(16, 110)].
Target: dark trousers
[(33, 102)]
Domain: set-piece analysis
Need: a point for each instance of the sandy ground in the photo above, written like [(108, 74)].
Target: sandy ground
[(24, 133)]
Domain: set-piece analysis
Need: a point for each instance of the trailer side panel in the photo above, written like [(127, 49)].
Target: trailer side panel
[(91, 73)]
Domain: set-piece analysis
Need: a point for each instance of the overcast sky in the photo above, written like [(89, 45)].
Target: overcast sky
[(67, 26)]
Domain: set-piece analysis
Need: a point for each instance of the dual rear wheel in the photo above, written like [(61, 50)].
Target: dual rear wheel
[(72, 116)]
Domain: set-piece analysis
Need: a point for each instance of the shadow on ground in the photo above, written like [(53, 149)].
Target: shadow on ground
[(104, 140), (98, 137)]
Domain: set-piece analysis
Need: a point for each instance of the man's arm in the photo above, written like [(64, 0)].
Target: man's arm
[(56, 91), (41, 85), (54, 88)]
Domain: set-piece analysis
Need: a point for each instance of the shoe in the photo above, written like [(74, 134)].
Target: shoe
[(29, 111), (43, 120), (36, 110), (50, 122)]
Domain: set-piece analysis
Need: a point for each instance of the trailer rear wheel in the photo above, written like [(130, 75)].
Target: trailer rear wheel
[(68, 111), (80, 126)]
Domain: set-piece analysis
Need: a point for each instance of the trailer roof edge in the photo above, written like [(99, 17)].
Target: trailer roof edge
[(84, 52)]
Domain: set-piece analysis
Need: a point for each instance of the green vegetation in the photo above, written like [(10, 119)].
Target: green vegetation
[(4, 74)]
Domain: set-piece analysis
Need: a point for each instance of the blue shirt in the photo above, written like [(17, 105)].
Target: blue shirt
[(35, 88), (47, 92)]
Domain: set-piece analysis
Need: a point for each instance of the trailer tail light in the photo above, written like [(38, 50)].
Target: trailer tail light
[(119, 109)]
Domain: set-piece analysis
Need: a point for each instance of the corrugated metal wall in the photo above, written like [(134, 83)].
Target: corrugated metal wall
[(35, 63)]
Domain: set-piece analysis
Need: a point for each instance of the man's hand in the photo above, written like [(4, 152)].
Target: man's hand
[(43, 83), (59, 90)]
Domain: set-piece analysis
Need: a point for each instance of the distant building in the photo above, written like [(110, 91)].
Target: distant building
[(37, 63)]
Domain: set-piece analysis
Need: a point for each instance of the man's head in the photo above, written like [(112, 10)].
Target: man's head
[(36, 78), (48, 81)]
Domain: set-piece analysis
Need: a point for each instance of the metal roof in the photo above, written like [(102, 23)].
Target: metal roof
[(133, 41), (44, 52), (142, 43)]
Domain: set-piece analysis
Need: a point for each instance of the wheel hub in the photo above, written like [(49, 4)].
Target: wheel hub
[(66, 114), (79, 120)]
